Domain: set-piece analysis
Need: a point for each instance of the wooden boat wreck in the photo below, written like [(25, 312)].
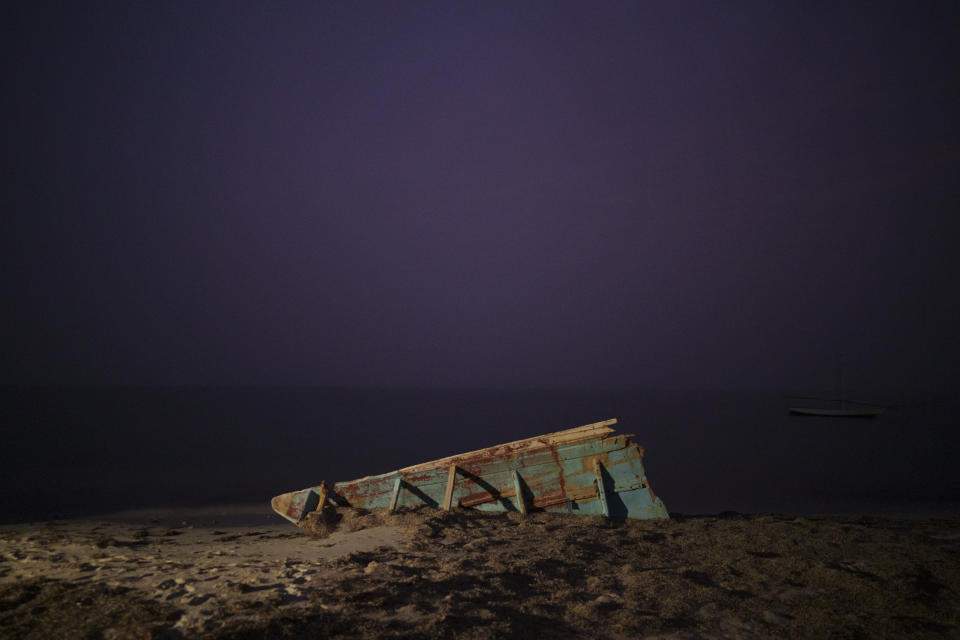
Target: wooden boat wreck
[(584, 470)]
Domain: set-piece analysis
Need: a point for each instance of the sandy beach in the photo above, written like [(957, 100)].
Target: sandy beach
[(245, 573)]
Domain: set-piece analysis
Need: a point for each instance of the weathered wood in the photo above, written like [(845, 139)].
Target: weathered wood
[(543, 501), (587, 493), (548, 441), (580, 471), (396, 493), (485, 497), (322, 499), (451, 478), (601, 491), (546, 501), (488, 467), (518, 488)]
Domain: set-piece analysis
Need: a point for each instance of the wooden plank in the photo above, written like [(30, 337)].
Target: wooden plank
[(433, 473), (521, 501), (486, 484), (484, 497), (323, 496), (448, 496), (539, 501), (587, 493), (548, 500), (396, 493), (601, 491), (550, 440)]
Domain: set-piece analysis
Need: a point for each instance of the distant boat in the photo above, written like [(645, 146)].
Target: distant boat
[(842, 412), (862, 410)]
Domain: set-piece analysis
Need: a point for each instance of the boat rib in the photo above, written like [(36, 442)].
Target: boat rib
[(584, 470)]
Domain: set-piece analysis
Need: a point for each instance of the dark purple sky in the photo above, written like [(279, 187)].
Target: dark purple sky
[(481, 194)]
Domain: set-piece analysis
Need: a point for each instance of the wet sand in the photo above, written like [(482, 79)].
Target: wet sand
[(242, 573)]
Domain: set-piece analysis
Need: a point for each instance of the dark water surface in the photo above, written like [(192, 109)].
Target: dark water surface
[(80, 451)]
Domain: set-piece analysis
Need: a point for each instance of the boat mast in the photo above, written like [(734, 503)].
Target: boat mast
[(843, 395)]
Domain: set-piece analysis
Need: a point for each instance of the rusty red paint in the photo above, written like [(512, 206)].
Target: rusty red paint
[(481, 497), (549, 499), (474, 497), (351, 491), (553, 476), (556, 458)]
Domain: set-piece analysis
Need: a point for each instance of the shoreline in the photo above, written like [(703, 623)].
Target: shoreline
[(225, 573)]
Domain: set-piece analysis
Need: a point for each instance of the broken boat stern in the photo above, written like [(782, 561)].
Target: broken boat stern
[(294, 506)]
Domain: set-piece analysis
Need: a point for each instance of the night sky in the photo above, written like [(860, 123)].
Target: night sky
[(585, 194)]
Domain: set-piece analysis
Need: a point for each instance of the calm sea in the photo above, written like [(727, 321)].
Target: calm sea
[(81, 451)]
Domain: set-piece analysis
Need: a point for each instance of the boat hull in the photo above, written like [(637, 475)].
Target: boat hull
[(584, 471), (864, 412)]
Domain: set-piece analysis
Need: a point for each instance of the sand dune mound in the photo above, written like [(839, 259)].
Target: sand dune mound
[(429, 573)]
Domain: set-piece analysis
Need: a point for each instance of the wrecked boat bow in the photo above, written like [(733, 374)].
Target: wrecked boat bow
[(585, 470)]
